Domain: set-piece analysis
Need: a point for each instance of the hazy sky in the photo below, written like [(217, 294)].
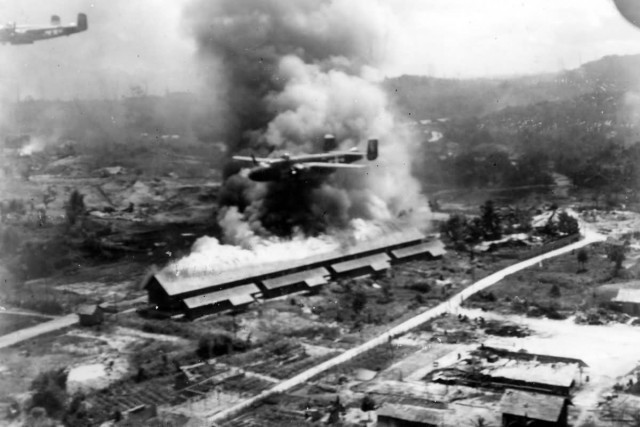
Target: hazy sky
[(143, 42)]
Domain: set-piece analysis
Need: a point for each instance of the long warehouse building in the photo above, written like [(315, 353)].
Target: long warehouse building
[(214, 292)]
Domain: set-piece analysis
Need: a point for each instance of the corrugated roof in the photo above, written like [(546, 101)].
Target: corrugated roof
[(179, 284), (537, 406), (434, 247), (236, 296), (628, 295), (532, 371), (377, 262), (411, 413), (313, 277)]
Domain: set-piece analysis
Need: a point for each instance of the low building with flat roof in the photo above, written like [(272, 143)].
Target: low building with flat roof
[(399, 415), (628, 299), (90, 314), (525, 409)]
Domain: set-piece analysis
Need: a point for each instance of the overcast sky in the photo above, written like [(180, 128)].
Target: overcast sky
[(143, 42)]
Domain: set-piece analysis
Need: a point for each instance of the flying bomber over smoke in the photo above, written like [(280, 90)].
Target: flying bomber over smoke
[(307, 166), (18, 34)]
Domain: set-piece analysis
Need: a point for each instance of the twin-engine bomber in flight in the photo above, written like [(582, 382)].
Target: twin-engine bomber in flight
[(307, 166), (17, 34)]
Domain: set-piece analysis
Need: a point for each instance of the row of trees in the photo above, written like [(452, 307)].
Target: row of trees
[(491, 225)]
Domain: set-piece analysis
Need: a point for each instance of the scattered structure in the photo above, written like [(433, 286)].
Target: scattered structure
[(213, 292), (90, 314), (521, 408), (500, 369), (398, 415), (628, 299)]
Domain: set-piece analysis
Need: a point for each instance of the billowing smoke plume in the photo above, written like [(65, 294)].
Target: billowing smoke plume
[(281, 75)]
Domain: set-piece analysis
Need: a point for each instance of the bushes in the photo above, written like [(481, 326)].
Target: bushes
[(567, 224), (50, 391), (281, 347), (422, 287), (214, 345), (368, 404)]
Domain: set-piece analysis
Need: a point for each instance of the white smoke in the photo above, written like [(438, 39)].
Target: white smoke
[(210, 256)]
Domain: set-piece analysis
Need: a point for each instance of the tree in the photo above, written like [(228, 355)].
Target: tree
[(50, 391), (455, 228), (582, 257), (480, 422), (75, 207), (367, 404), (567, 224), (490, 221), (616, 254), (359, 301), (554, 292)]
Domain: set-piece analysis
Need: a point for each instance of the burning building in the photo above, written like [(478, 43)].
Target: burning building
[(278, 76)]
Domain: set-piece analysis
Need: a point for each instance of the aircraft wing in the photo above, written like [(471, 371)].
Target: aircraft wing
[(256, 159), (328, 165), (321, 157)]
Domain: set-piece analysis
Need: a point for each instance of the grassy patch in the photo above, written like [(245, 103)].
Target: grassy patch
[(14, 322)]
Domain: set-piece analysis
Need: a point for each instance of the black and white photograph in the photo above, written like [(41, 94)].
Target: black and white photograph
[(291, 213)]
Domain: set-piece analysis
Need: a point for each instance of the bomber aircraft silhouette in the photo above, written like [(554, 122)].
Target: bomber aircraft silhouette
[(306, 166), (18, 34)]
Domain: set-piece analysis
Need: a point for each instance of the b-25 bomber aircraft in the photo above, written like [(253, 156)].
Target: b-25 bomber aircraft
[(18, 34), (307, 166)]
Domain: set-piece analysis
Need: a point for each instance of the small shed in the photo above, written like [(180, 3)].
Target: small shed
[(523, 408), (298, 281), (628, 300), (90, 314), (427, 250), (400, 415)]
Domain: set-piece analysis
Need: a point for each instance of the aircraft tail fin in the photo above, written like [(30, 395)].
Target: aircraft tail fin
[(372, 149), (55, 20), (330, 143), (82, 23)]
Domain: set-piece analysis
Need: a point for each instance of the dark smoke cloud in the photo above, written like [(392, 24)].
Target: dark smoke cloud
[(281, 74), (243, 42)]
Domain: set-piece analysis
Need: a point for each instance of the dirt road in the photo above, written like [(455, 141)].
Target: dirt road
[(42, 328), (452, 304)]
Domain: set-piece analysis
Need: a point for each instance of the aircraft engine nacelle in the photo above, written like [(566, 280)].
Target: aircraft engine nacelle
[(372, 149), (630, 10), (264, 174)]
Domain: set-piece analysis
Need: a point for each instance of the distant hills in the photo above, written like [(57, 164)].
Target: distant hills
[(429, 97)]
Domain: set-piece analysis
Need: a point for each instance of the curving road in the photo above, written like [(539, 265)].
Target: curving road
[(589, 236)]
